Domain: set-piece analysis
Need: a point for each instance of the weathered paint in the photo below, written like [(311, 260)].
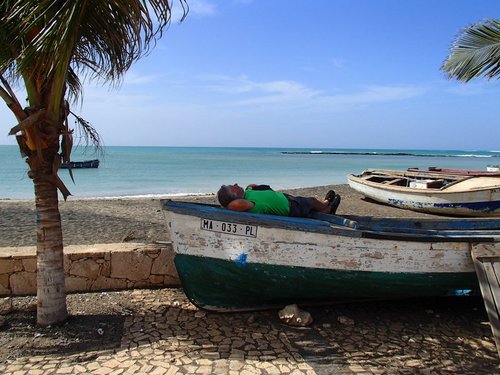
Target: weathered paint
[(284, 247), (221, 285), (313, 260)]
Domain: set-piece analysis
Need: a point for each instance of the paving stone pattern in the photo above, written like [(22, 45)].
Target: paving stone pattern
[(164, 333)]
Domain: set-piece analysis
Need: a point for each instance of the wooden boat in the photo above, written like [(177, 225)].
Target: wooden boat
[(431, 192), (237, 261), (81, 164), (457, 172)]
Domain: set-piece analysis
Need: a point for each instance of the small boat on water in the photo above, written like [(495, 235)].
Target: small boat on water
[(239, 261), (457, 172), (493, 168), (81, 164), (445, 194)]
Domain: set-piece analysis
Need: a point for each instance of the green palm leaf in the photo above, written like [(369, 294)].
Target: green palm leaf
[(475, 53)]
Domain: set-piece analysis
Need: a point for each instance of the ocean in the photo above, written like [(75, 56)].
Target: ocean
[(171, 171)]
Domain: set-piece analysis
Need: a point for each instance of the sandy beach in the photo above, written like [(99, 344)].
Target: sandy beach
[(92, 221), (160, 331)]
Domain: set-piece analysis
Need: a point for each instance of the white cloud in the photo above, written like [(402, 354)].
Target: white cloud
[(377, 94), (242, 85), (243, 2), (132, 78), (245, 92), (201, 7), (216, 101), (469, 88)]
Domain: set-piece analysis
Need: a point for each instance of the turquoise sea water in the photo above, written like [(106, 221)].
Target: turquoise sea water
[(170, 171)]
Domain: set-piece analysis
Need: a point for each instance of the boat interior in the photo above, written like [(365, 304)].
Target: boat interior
[(407, 181)]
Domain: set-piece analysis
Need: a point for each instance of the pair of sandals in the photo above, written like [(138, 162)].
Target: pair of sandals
[(334, 200)]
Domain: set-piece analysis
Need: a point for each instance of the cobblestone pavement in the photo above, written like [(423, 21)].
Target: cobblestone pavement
[(163, 333)]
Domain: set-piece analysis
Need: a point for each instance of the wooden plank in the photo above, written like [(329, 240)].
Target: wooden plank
[(395, 181), (487, 265)]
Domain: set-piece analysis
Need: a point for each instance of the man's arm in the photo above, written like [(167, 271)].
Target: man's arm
[(240, 205)]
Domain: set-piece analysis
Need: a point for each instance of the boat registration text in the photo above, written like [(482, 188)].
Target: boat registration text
[(230, 228)]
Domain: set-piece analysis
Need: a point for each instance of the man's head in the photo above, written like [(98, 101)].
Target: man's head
[(228, 193)]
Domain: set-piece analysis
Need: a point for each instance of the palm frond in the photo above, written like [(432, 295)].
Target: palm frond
[(475, 53), (9, 50), (105, 37), (74, 86), (87, 132)]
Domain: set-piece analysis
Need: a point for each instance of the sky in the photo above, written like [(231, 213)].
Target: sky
[(302, 73)]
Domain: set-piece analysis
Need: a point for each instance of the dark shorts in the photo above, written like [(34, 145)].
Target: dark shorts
[(299, 206)]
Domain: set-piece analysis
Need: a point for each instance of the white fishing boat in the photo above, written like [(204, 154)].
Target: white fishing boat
[(230, 261), (431, 192)]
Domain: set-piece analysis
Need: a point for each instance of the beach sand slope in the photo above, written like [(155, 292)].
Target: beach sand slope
[(93, 221)]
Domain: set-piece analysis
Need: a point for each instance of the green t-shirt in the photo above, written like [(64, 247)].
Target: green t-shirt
[(267, 202)]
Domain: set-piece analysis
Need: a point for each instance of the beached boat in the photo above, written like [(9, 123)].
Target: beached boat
[(457, 172), (230, 261), (432, 193), (82, 164)]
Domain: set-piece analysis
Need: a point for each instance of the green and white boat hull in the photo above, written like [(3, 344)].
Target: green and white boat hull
[(230, 261)]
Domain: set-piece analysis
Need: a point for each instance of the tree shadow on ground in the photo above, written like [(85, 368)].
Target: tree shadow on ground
[(20, 337)]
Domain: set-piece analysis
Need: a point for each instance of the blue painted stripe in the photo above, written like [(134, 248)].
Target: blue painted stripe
[(474, 206)]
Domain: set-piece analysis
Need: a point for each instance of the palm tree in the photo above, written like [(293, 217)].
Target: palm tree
[(46, 45), (475, 53)]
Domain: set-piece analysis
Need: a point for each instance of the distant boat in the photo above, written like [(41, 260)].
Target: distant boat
[(490, 171), (81, 164), (435, 193), (493, 168), (230, 261)]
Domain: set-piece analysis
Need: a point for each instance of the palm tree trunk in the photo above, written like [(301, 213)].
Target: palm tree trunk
[(51, 293)]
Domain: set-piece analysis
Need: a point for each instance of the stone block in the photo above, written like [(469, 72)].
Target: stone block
[(85, 268), (112, 266), (156, 279), (171, 281), (29, 264), (23, 283), (4, 285), (151, 251), (106, 269), (106, 283), (134, 265), (77, 284), (140, 284), (164, 263), (9, 265), (67, 263)]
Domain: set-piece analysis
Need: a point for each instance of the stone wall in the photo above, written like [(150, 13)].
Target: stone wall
[(92, 268)]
